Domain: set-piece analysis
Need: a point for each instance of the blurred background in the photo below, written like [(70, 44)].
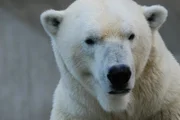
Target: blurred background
[(28, 72)]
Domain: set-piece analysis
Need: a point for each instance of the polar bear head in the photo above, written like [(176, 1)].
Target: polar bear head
[(104, 45)]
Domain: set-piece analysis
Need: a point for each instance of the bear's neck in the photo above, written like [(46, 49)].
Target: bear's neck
[(158, 62), (151, 88)]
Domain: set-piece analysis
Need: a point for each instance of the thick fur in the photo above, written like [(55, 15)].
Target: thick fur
[(82, 92)]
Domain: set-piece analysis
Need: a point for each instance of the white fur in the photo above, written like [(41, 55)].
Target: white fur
[(46, 20), (82, 93), (160, 15)]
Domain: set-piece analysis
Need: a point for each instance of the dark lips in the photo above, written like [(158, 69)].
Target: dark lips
[(124, 91)]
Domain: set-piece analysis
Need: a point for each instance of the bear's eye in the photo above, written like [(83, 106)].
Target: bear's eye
[(132, 36), (90, 41)]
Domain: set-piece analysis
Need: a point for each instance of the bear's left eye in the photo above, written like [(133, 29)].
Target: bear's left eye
[(131, 36)]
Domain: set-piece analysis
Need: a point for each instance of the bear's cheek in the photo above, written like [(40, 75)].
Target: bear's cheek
[(80, 62), (141, 54)]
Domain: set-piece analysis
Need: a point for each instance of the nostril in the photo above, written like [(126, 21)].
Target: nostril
[(119, 75)]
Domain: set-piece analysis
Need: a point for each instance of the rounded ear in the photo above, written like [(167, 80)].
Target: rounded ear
[(156, 15), (51, 20)]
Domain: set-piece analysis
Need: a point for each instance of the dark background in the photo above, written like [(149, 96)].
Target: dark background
[(28, 72)]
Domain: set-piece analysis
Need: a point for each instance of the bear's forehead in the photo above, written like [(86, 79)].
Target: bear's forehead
[(105, 8), (108, 16)]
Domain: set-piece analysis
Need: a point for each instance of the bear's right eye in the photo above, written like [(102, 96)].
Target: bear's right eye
[(90, 41)]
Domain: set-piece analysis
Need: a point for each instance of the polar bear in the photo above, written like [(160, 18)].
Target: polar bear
[(113, 62)]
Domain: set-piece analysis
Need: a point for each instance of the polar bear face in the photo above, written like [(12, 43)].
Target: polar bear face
[(104, 45)]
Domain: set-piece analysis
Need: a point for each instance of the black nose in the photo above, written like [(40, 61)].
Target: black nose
[(119, 76)]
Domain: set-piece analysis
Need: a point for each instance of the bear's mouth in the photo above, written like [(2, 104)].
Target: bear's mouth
[(124, 91)]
